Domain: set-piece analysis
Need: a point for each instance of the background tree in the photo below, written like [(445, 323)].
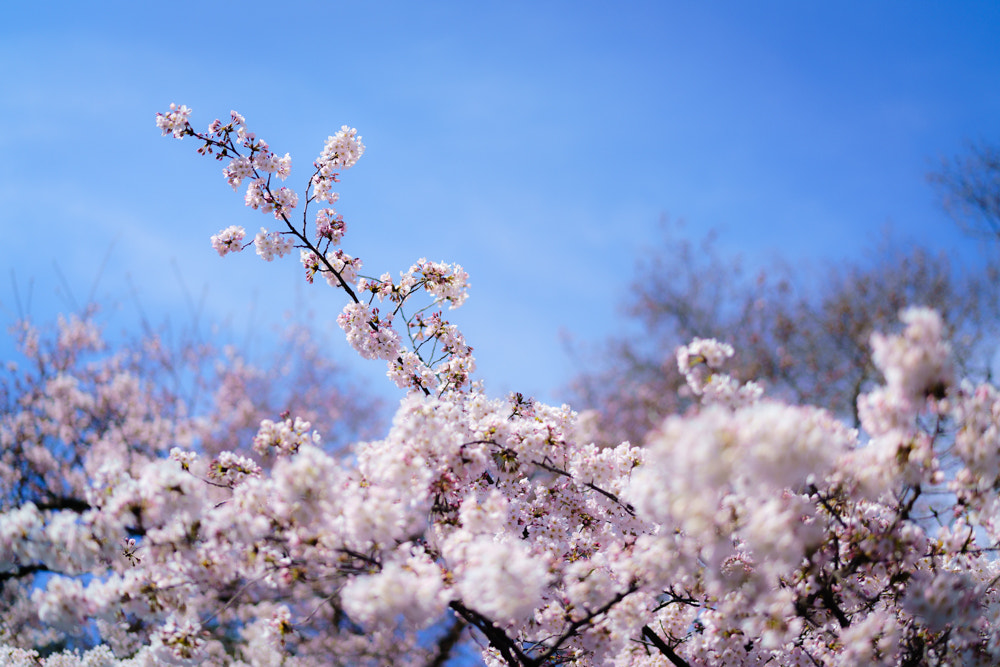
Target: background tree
[(969, 185), (75, 399), (804, 335)]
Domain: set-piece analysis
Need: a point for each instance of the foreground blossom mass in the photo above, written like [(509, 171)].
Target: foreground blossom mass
[(744, 532)]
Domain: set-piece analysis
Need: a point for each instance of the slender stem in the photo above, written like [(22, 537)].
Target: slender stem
[(575, 626), (590, 485)]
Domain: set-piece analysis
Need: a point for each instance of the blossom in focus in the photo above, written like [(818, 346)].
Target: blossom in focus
[(341, 151), (371, 337), (229, 240), (272, 244), (175, 121)]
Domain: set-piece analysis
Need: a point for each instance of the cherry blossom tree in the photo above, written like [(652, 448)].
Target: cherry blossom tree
[(748, 531), (77, 400)]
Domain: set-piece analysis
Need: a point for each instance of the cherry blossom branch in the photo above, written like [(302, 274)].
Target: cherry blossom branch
[(590, 485), (260, 195), (579, 624)]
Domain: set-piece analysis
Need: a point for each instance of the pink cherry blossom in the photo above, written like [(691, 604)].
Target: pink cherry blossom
[(746, 531)]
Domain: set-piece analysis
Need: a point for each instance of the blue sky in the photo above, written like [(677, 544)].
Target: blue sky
[(536, 143)]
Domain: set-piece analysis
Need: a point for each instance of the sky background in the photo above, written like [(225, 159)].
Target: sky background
[(538, 144)]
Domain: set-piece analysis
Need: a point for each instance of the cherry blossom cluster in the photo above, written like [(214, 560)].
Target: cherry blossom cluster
[(230, 240), (284, 437), (746, 531), (341, 151), (701, 361), (175, 121)]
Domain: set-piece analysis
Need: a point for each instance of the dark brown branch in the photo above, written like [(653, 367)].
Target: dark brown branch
[(22, 571), (498, 639), (446, 644), (65, 503), (831, 604), (663, 647)]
